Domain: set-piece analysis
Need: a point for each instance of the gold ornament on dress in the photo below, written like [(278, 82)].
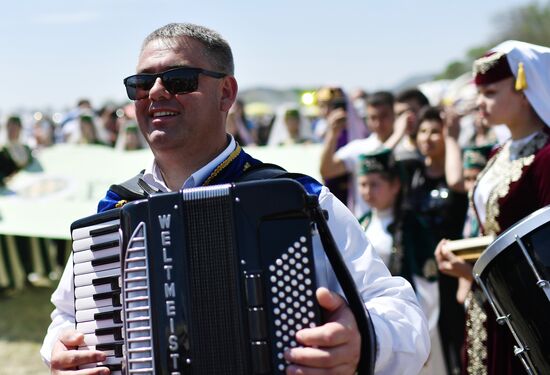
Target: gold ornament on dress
[(507, 171), (484, 64), (476, 336)]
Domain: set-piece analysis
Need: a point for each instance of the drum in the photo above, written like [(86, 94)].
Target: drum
[(514, 274)]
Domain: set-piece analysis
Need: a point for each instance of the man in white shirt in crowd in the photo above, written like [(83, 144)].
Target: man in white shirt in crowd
[(335, 163)]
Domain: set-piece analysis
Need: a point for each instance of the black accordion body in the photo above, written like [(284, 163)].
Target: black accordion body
[(212, 280)]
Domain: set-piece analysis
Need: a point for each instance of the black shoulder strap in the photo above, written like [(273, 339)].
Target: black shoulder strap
[(262, 171), (266, 171), (133, 189)]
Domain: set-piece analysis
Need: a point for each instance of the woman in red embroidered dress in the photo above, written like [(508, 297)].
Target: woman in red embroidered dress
[(514, 89)]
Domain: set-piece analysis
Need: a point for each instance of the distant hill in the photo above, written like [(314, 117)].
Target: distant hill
[(413, 81)]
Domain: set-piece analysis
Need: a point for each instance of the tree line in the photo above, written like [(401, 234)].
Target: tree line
[(528, 23)]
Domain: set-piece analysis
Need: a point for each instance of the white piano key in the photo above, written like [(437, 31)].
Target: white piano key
[(88, 255), (86, 267), (107, 361), (109, 352), (86, 243), (90, 303), (93, 340), (87, 279), (91, 326), (90, 290), (80, 233), (88, 314)]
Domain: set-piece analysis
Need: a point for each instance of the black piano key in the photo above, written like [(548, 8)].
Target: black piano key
[(104, 245), (106, 315), (113, 280), (105, 260), (116, 347), (113, 367), (115, 331), (106, 295), (112, 295), (105, 230)]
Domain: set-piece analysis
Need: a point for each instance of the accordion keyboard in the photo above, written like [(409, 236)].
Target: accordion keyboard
[(96, 268)]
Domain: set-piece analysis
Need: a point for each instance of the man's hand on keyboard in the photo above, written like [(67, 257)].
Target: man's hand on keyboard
[(66, 357)]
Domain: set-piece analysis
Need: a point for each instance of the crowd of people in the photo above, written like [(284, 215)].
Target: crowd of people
[(408, 183), (21, 136), (415, 174)]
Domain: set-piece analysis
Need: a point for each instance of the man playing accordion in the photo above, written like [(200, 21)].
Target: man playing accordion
[(183, 90)]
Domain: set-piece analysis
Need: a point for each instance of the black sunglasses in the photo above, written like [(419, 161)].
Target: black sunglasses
[(175, 81)]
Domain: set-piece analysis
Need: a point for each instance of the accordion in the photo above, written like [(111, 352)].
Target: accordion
[(210, 280)]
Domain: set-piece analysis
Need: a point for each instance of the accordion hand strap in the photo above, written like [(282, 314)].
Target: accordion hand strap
[(355, 302)]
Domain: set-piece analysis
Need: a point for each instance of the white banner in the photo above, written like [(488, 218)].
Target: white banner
[(66, 182)]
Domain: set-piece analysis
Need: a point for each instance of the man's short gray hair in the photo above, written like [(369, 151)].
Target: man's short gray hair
[(216, 48)]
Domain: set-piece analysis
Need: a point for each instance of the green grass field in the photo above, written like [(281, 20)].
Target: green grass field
[(24, 318)]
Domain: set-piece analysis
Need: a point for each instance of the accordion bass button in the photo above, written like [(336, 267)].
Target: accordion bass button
[(261, 359)]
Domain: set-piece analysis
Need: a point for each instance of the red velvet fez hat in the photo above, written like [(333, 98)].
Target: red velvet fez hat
[(491, 68)]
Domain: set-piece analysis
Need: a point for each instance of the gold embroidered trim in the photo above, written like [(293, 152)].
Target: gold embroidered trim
[(484, 64), (476, 336), (225, 163), (507, 171)]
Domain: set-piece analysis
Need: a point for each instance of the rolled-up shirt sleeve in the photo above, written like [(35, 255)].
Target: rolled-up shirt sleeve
[(402, 337)]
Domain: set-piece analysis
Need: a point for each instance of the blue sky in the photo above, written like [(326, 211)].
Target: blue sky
[(54, 52)]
